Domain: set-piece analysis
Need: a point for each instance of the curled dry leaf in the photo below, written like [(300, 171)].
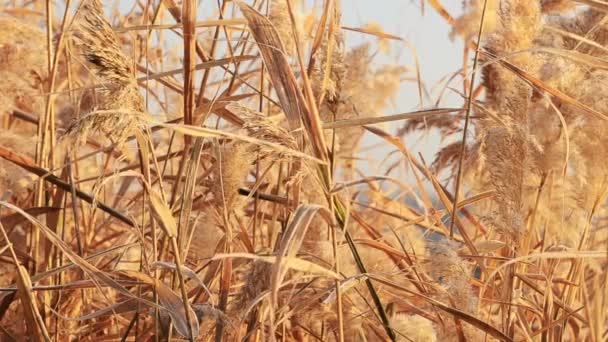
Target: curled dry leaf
[(172, 303), (163, 214)]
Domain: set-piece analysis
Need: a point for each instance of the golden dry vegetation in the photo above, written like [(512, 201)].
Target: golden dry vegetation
[(193, 171)]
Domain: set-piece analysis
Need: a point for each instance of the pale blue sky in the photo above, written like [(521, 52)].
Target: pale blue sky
[(439, 56), (428, 33)]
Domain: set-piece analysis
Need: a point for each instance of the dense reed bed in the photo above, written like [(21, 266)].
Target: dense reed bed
[(195, 171)]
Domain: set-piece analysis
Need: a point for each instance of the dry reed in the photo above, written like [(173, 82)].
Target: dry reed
[(261, 224)]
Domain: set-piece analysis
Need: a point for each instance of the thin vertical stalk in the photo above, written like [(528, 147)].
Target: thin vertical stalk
[(189, 32), (463, 146)]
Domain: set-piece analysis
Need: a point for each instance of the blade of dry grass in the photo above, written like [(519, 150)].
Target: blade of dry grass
[(24, 286), (29, 165)]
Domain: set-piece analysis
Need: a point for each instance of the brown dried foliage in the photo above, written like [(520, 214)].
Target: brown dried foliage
[(248, 221)]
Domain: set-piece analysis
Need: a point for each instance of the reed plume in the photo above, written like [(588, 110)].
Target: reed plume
[(119, 114)]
